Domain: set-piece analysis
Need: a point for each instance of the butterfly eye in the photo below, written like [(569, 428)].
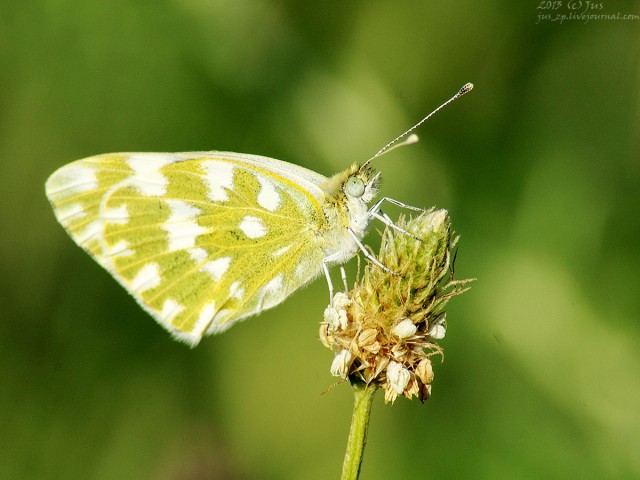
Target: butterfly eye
[(354, 187)]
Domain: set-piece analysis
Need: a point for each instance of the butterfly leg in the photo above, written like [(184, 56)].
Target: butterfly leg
[(366, 253), (384, 218), (393, 201), (325, 268), (376, 212), (343, 274), (332, 258)]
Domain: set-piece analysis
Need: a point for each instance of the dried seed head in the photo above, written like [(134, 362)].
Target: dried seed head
[(384, 331)]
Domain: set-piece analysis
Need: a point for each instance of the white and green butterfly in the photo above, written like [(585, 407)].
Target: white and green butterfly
[(204, 239)]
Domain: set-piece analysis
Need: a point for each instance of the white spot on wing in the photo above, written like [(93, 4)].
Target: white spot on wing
[(253, 227), (274, 285), (268, 197), (170, 310), (118, 215), (91, 231), (281, 251), (206, 314), (302, 272), (146, 278), (120, 249), (219, 322), (271, 294), (221, 316), (71, 180), (217, 268), (148, 179), (219, 179), (190, 339), (235, 290), (181, 227), (68, 213), (198, 254)]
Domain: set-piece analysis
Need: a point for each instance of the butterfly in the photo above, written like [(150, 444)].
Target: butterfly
[(202, 240)]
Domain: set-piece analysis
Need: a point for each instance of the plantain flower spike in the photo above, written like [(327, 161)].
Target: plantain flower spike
[(385, 330)]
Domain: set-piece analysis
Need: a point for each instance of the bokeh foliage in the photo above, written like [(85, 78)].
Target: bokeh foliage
[(538, 166)]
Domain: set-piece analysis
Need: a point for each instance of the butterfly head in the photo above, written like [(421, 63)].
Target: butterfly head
[(356, 184)]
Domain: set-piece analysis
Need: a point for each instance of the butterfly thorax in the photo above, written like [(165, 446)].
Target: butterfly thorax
[(346, 207)]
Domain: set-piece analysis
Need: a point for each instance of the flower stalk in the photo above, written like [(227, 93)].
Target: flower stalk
[(363, 399)]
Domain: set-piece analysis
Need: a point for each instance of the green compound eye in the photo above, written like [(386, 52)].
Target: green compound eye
[(354, 187)]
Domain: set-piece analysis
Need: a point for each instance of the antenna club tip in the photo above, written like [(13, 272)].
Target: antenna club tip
[(466, 88), (413, 138)]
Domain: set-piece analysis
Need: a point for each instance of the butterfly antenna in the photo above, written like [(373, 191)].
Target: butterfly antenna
[(414, 138)]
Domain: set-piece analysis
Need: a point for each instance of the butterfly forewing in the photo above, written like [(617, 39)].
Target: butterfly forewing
[(200, 240)]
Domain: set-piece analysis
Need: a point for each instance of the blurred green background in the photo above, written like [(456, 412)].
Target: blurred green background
[(538, 166)]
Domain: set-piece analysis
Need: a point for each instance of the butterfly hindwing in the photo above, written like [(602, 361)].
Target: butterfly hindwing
[(200, 240)]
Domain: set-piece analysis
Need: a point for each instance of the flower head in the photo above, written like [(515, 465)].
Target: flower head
[(384, 330)]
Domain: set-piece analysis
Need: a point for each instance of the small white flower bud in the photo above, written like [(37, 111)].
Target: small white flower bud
[(341, 363), (424, 371), (398, 377), (341, 300), (335, 318), (404, 329), (438, 328), (335, 315), (437, 219)]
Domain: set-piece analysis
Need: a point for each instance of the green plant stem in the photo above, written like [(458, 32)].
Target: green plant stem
[(358, 434)]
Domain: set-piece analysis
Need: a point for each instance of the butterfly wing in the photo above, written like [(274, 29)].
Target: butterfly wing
[(200, 240)]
